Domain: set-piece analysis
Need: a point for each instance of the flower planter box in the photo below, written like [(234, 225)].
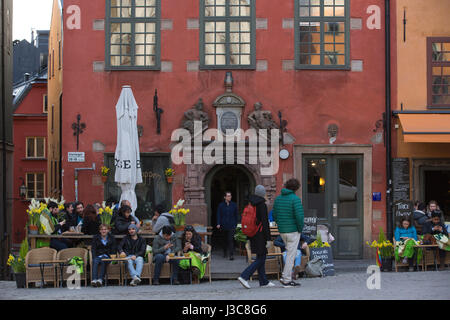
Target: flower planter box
[(20, 279)]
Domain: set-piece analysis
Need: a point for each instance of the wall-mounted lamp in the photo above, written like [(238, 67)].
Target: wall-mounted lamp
[(23, 189), (158, 111)]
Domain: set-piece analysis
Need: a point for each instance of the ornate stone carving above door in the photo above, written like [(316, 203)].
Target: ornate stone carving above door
[(194, 189)]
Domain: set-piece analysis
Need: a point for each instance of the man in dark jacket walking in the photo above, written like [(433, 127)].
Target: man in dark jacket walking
[(133, 246), (259, 241), (227, 219), (288, 213), (103, 245)]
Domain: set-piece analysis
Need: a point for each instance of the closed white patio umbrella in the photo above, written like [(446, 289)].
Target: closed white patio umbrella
[(127, 158)]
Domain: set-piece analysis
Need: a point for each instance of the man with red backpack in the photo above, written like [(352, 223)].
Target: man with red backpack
[(255, 224)]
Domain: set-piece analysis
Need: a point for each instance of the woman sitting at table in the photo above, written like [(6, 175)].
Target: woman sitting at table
[(103, 246), (406, 239), (191, 242), (123, 220), (91, 221)]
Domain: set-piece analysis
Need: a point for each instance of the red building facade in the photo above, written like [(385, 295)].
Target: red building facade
[(30, 140), (321, 63)]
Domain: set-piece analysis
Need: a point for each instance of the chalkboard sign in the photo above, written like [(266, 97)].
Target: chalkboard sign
[(403, 209), (400, 179), (326, 254), (310, 227)]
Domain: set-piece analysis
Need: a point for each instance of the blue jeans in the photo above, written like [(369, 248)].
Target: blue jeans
[(135, 272), (95, 263), (59, 244), (260, 265), (160, 259), (298, 258)]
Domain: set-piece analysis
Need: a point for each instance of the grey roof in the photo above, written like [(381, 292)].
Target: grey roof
[(21, 90)]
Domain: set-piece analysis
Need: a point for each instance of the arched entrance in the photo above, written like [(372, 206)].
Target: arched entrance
[(234, 178)]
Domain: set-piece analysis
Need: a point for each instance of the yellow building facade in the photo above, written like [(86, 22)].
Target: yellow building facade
[(55, 79), (421, 103)]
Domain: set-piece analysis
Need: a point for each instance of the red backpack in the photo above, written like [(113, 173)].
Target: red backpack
[(248, 222)]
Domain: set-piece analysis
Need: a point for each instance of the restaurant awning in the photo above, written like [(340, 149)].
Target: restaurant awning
[(431, 128)]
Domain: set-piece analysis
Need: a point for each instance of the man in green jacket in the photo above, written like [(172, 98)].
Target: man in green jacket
[(288, 214)]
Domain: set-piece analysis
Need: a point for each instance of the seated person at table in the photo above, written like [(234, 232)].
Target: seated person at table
[(420, 217), (117, 209), (133, 247), (123, 220), (165, 243), (51, 226), (436, 228), (191, 242), (161, 219), (434, 207), (103, 246), (70, 216), (406, 239), (302, 244), (91, 221)]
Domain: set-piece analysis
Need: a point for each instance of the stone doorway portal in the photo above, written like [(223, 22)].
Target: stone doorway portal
[(234, 178)]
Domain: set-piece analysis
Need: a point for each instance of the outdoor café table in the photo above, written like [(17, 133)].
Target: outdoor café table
[(71, 235), (61, 264), (121, 261), (425, 246), (181, 258)]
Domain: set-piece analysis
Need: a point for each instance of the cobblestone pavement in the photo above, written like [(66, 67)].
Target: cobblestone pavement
[(402, 285)]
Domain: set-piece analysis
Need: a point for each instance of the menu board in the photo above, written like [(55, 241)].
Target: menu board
[(400, 179), (403, 209), (326, 255), (310, 227)]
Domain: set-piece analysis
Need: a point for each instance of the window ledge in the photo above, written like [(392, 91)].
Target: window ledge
[(34, 159)]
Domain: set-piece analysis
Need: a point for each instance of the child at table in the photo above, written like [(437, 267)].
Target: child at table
[(406, 239)]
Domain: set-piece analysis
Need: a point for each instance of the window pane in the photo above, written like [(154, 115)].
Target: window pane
[(150, 60), (316, 173), (220, 11), (245, 26), (245, 59), (220, 60), (140, 50), (40, 147), (30, 148), (140, 60), (125, 61), (220, 48), (220, 26), (348, 189), (234, 26), (209, 60), (209, 49), (39, 185), (140, 12), (30, 185), (115, 61)]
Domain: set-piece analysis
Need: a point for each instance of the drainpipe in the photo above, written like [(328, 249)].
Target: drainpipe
[(389, 216), (4, 227), (76, 178)]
